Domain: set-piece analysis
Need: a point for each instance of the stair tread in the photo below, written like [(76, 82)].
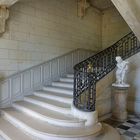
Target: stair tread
[(59, 88), (62, 84), (47, 112), (10, 131), (49, 101), (46, 128), (54, 94), (66, 79), (70, 75), (68, 83), (62, 90)]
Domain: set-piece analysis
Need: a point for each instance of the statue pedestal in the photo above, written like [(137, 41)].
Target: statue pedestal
[(120, 92)]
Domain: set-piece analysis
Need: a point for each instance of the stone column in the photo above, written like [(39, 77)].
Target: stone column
[(119, 112)]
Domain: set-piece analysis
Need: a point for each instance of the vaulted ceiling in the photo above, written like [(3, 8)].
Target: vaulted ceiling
[(101, 4), (7, 3)]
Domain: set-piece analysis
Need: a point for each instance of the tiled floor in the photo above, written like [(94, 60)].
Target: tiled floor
[(130, 130)]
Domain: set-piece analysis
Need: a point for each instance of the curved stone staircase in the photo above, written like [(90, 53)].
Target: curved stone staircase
[(49, 113), (46, 115)]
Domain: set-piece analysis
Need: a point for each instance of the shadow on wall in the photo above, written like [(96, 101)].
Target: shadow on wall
[(134, 81), (5, 95), (135, 7), (104, 95), (2, 76)]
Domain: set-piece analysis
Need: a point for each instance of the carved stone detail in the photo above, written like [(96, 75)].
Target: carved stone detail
[(8, 3), (82, 5), (4, 12), (121, 72)]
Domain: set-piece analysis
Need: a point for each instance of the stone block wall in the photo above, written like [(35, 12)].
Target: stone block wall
[(134, 81), (38, 31), (130, 11), (104, 95), (114, 27)]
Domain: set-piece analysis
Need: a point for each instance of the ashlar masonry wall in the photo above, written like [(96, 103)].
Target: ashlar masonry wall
[(39, 30)]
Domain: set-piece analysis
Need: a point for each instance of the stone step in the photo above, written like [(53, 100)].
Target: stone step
[(70, 75), (65, 79), (54, 96), (49, 104), (45, 131), (47, 115), (10, 132), (58, 90), (63, 84)]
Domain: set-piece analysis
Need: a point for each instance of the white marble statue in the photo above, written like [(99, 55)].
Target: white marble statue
[(122, 68)]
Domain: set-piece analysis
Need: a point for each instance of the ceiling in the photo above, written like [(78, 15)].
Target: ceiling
[(101, 4), (7, 3)]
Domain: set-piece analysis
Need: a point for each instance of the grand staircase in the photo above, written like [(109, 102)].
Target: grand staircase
[(64, 109), (45, 115)]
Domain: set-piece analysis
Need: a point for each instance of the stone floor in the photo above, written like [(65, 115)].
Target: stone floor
[(129, 130)]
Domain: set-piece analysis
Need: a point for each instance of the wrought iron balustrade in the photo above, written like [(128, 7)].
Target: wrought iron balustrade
[(88, 72)]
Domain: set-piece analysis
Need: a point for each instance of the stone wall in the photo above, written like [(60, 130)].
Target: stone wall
[(38, 31), (134, 81), (113, 27), (104, 88), (130, 11), (104, 95), (41, 30)]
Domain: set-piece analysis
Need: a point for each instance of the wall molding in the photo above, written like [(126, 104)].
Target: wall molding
[(24, 83)]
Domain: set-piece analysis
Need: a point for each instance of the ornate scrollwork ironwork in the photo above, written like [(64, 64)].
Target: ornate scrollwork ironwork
[(88, 72)]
